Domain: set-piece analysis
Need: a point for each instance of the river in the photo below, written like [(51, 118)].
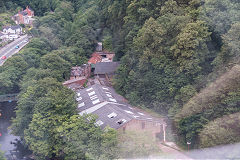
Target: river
[(10, 144)]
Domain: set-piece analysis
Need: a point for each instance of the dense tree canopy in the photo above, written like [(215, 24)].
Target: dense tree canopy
[(171, 50), (46, 115)]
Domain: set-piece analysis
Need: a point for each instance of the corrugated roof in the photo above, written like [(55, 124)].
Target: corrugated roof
[(110, 108), (106, 67)]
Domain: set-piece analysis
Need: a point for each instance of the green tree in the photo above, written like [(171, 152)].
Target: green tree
[(191, 49), (2, 7), (83, 140), (220, 14), (2, 156), (230, 49), (28, 99), (221, 131), (58, 66), (49, 112), (41, 44), (107, 43)]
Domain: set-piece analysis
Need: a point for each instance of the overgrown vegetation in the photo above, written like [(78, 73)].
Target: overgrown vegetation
[(46, 116), (5, 20), (2, 155), (174, 54)]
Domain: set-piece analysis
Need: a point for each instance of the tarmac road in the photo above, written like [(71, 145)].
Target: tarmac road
[(11, 49)]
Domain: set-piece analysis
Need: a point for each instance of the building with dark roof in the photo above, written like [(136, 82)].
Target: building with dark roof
[(103, 68), (112, 110)]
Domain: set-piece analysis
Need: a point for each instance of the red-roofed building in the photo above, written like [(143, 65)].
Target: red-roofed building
[(95, 58), (29, 12), (24, 16)]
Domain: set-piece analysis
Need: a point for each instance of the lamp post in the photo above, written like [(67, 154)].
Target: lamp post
[(164, 132), (188, 143)]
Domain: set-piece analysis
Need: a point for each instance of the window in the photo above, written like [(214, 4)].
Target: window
[(99, 123), (91, 93), (109, 95), (140, 113), (129, 112), (81, 105), (96, 101), (89, 89), (113, 100), (121, 121), (112, 115), (143, 125), (93, 97)]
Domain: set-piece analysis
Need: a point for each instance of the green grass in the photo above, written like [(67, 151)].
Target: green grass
[(4, 14)]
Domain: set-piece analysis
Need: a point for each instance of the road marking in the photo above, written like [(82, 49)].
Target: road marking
[(12, 48)]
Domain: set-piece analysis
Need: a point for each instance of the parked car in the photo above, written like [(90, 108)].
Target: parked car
[(16, 47), (3, 57)]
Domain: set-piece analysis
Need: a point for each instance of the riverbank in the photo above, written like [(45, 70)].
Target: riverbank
[(6, 139)]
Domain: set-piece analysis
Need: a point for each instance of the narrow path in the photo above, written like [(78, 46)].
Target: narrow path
[(171, 153)]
